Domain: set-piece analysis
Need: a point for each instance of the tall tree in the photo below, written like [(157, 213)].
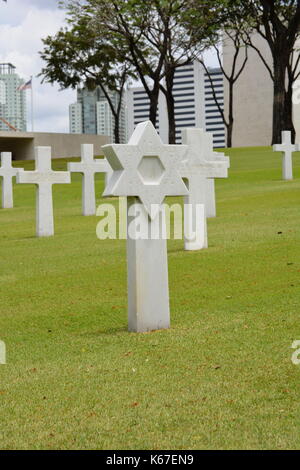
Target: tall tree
[(169, 19), (278, 23), (76, 56), (124, 21), (157, 40), (231, 76), (221, 25)]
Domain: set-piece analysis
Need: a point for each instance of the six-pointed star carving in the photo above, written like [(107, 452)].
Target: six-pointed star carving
[(150, 187)]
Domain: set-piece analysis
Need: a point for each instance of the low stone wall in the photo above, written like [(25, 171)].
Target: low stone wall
[(22, 144)]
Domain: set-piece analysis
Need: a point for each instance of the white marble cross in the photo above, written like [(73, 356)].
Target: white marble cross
[(88, 166), (196, 169), (287, 148), (146, 171), (44, 177), (210, 155), (7, 172)]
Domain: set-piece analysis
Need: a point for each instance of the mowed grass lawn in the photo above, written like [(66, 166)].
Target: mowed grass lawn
[(220, 378)]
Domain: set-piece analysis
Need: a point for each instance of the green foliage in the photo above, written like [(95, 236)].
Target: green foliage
[(75, 53), (154, 36)]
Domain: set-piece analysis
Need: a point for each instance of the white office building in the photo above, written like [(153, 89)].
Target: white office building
[(91, 114), (75, 118), (193, 104), (12, 101)]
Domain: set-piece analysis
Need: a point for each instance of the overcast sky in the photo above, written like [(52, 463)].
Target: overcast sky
[(22, 25)]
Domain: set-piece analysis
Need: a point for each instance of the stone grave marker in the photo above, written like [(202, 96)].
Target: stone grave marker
[(44, 178), (196, 170), (7, 172), (211, 209), (145, 171), (88, 167), (287, 149)]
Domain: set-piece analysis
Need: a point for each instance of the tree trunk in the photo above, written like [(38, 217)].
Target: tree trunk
[(229, 129), (117, 129), (171, 107), (289, 124), (280, 106), (230, 115), (168, 92), (153, 97), (171, 118)]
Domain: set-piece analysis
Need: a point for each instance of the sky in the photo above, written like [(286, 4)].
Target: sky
[(23, 24)]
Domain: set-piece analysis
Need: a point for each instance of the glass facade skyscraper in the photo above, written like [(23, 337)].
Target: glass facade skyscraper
[(12, 100), (91, 114)]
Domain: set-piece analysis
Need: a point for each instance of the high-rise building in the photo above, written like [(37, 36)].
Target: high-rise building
[(194, 104), (75, 118), (138, 106), (91, 114), (12, 100)]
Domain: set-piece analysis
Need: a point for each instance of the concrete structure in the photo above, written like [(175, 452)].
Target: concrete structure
[(287, 149), (7, 173), (44, 178), (22, 144), (201, 164), (91, 114), (253, 96), (194, 104), (12, 100), (145, 171), (88, 167)]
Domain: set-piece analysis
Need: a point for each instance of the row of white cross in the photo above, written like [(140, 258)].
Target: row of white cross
[(197, 171), (44, 177), (144, 171)]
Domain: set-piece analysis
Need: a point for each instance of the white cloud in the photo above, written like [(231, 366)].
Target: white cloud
[(14, 11), (21, 40)]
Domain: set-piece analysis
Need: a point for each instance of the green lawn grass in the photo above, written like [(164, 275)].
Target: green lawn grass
[(220, 378)]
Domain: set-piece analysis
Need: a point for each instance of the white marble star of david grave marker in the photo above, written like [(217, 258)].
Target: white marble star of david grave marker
[(88, 167), (7, 172), (146, 171), (287, 149), (44, 178), (196, 169)]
